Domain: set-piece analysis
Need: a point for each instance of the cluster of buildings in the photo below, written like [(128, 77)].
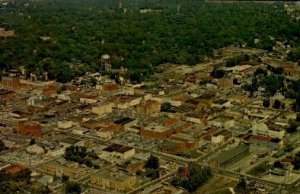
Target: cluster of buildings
[(183, 115)]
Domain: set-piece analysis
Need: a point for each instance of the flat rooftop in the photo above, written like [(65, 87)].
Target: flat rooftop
[(124, 120), (117, 148), (231, 154), (69, 140), (157, 128)]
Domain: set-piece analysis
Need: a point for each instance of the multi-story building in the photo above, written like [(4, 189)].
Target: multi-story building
[(113, 180), (117, 153), (62, 167), (29, 129), (11, 82), (270, 131), (126, 101), (164, 128), (220, 137), (179, 142), (102, 109), (222, 122), (149, 107)]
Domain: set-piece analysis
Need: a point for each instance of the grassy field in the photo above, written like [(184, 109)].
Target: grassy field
[(190, 154), (259, 170)]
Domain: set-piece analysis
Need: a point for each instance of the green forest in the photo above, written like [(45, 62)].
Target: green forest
[(180, 32)]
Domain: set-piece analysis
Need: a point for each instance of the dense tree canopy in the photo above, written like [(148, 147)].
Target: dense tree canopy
[(260, 71), (195, 177), (152, 167), (166, 107), (67, 38), (218, 73), (294, 55), (296, 162), (152, 162), (79, 154), (5, 186), (266, 103), (237, 60), (241, 187), (272, 83), (13, 183), (2, 146), (72, 188)]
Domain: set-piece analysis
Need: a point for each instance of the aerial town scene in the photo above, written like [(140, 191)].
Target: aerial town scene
[(149, 97)]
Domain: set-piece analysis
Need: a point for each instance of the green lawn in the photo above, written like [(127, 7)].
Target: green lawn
[(190, 154), (259, 170)]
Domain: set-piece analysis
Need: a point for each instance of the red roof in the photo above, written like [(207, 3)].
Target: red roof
[(135, 166), (170, 122), (287, 160), (261, 138), (110, 87), (14, 169)]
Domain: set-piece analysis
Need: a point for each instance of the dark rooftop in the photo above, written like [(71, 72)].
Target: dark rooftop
[(233, 153), (69, 140), (123, 121), (117, 148)]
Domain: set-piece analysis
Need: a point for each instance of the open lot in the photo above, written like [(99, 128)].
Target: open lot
[(218, 185)]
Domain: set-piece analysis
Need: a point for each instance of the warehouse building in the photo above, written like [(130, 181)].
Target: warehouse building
[(229, 156)]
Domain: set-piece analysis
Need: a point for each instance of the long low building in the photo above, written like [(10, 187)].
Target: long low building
[(113, 180), (273, 143), (272, 130), (62, 167), (229, 156)]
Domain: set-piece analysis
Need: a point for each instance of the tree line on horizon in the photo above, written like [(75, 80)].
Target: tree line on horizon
[(67, 38)]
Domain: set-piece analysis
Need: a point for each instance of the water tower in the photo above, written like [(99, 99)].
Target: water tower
[(105, 62)]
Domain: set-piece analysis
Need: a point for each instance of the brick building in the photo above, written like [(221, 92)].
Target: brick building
[(179, 142), (291, 69), (6, 94), (11, 82), (50, 90), (164, 128), (34, 130)]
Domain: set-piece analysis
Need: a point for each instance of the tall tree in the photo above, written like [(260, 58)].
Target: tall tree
[(152, 162)]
